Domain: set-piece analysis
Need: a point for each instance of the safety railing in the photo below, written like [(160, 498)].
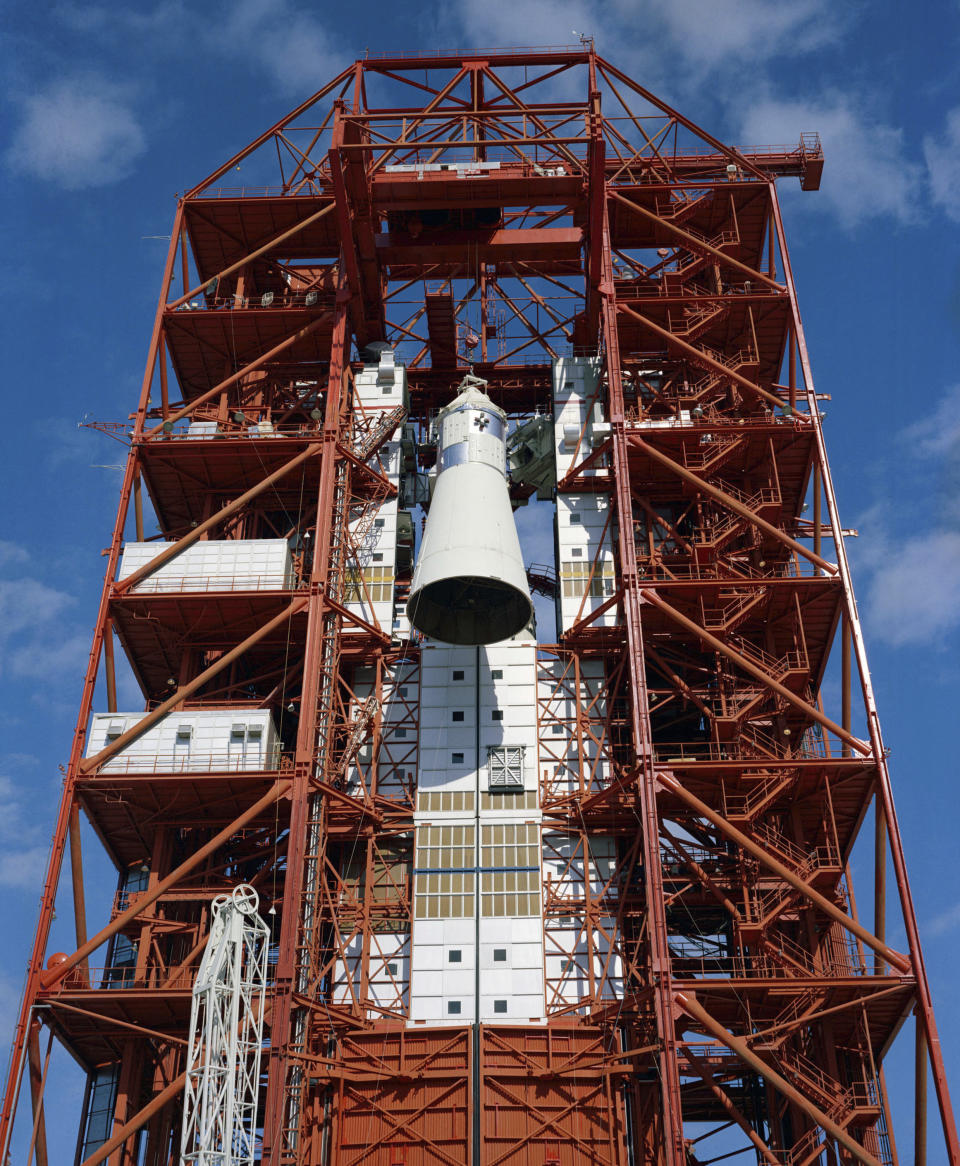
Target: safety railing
[(751, 744), (266, 300), (779, 958), (160, 584), (683, 398), (473, 54), (744, 803), (724, 568), (805, 862), (809, 144), (124, 978), (203, 430), (308, 187), (198, 764)]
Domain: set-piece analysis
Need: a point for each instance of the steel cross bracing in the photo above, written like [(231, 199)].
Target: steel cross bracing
[(708, 983)]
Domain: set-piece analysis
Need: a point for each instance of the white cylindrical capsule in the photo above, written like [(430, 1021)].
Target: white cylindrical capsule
[(469, 584)]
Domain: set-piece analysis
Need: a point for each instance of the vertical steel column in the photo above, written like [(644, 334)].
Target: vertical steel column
[(37, 1082), (845, 710), (920, 1095), (879, 876), (76, 870), (660, 961), (305, 758)]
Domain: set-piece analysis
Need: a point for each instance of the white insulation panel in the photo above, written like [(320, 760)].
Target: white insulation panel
[(473, 700), (260, 564)]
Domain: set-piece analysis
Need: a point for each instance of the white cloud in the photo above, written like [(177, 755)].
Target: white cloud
[(19, 760), (292, 46), (946, 921), (705, 33), (720, 32), (162, 21), (22, 859), (9, 1007), (943, 166), (77, 132), (12, 553), (904, 606), (280, 37), (866, 174), (64, 441), (503, 22), (937, 434), (23, 870), (11, 811), (25, 603), (912, 576), (64, 658), (37, 642)]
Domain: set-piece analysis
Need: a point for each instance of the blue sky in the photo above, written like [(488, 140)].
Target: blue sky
[(110, 110)]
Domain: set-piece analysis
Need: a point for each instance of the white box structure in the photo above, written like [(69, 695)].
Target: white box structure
[(477, 837), (372, 567), (256, 564), (194, 741), (586, 573)]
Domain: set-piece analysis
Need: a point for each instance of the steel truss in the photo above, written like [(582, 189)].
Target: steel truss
[(222, 1088), (700, 799)]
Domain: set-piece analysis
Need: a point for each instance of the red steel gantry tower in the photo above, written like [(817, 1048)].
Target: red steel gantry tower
[(539, 217)]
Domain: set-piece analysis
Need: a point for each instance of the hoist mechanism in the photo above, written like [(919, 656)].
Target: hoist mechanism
[(226, 1036)]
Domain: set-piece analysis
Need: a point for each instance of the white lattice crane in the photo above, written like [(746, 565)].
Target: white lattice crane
[(226, 1036)]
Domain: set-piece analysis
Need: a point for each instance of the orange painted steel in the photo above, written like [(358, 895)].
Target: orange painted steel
[(700, 797)]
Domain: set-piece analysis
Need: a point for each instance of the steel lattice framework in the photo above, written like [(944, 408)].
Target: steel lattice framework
[(497, 210), (222, 1086)]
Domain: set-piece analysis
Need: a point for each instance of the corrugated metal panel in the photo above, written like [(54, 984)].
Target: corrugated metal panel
[(545, 1097), (260, 564), (404, 1097), (194, 741)]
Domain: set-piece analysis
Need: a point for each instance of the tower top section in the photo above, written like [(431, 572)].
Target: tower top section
[(534, 113)]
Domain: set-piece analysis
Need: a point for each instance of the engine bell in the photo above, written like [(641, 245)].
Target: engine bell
[(469, 585)]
